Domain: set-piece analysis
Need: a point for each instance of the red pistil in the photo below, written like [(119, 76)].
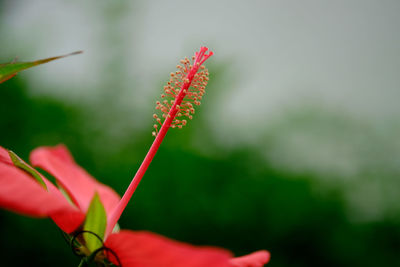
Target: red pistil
[(179, 103)]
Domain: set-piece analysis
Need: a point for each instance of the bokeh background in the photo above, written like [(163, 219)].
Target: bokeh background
[(295, 148)]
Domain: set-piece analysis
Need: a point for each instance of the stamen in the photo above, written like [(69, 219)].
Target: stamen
[(187, 86)]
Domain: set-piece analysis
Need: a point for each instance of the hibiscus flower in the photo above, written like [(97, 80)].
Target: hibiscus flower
[(88, 211)]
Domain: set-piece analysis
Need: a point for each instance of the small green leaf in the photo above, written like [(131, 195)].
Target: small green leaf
[(96, 222), (17, 161), (9, 70)]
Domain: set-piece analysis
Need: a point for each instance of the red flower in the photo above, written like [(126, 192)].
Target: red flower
[(20, 192), (82, 203)]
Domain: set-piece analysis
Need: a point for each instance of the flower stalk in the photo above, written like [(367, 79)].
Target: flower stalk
[(181, 105)]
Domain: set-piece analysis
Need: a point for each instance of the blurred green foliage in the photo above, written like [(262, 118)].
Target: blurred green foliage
[(232, 199)]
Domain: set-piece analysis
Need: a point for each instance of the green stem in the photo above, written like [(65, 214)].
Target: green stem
[(83, 263)]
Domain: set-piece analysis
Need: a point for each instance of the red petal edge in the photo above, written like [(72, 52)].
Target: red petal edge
[(22, 194), (255, 259), (80, 185), (145, 249)]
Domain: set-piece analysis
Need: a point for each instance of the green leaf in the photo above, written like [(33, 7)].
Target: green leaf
[(17, 161), (9, 70), (96, 222)]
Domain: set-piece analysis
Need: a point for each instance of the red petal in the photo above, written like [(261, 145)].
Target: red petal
[(4, 156), (145, 249), (80, 185), (255, 259), (19, 192), (68, 221)]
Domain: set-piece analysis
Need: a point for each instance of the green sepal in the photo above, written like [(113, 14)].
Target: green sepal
[(9, 70), (18, 162), (96, 222)]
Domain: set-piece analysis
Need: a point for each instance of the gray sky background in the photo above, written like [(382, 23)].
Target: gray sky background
[(343, 53)]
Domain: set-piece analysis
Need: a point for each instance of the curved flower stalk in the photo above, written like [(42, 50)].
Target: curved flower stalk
[(183, 87), (80, 205)]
